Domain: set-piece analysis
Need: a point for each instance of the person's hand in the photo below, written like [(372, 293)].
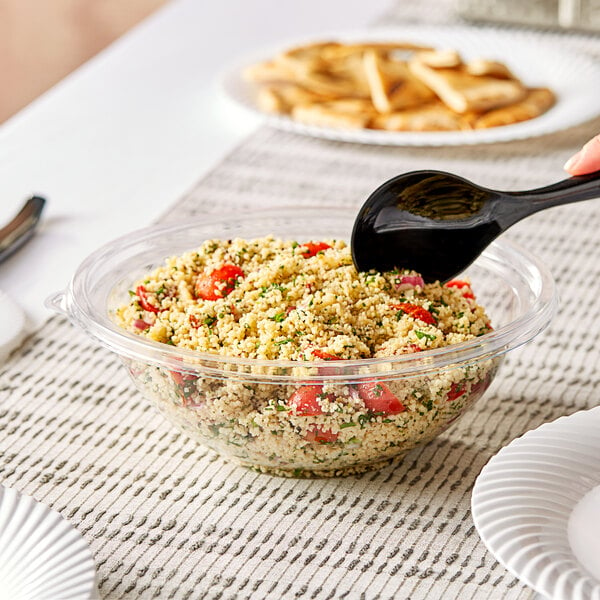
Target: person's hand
[(586, 160)]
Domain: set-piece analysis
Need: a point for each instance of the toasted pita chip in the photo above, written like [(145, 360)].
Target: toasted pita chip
[(435, 116), (409, 92), (382, 48), (440, 59), (350, 69), (325, 84), (353, 106), (482, 67), (378, 84), (282, 97), (323, 115), (305, 59), (393, 71), (536, 102), (464, 92), (269, 100)]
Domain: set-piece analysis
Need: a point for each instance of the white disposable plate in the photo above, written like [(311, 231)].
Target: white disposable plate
[(42, 557), (537, 59), (536, 507)]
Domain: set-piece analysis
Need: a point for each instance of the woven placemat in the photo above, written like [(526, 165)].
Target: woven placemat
[(166, 518)]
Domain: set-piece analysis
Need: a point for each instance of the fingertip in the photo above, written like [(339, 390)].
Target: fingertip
[(587, 160), (571, 164)]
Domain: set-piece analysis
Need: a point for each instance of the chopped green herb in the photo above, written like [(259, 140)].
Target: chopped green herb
[(363, 420), (422, 334), (428, 403), (265, 289)]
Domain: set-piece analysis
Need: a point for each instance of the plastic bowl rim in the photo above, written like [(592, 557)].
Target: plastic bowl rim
[(126, 344)]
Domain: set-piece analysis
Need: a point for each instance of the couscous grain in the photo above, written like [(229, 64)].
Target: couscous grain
[(275, 300)]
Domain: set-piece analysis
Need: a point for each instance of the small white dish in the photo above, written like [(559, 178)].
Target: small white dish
[(537, 59), (42, 556), (531, 501)]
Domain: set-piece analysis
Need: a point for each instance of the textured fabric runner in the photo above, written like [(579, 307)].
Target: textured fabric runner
[(166, 518)]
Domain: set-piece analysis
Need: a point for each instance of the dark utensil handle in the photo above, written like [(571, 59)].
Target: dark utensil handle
[(22, 227), (574, 189)]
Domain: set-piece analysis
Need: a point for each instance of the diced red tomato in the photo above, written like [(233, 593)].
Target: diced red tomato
[(415, 311), (457, 283), (460, 284), (184, 389), (456, 391), (304, 400), (181, 378), (312, 248), (219, 283), (142, 295), (194, 321), (320, 435), (414, 348), (324, 355), (378, 398)]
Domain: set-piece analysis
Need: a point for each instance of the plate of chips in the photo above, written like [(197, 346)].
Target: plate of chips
[(420, 85)]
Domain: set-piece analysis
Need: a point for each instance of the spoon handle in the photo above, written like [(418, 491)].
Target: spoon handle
[(574, 189), (21, 228)]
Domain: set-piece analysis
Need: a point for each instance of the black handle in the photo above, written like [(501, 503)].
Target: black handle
[(574, 189), (21, 228)]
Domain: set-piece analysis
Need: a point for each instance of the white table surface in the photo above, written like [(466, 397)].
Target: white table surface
[(121, 138)]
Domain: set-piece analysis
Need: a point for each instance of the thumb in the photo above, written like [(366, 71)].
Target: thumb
[(586, 160)]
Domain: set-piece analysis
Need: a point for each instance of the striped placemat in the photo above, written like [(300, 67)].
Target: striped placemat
[(166, 518)]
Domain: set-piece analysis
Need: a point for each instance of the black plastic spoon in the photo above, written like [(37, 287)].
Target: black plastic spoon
[(438, 223)]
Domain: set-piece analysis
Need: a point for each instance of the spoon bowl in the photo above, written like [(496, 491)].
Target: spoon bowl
[(438, 223)]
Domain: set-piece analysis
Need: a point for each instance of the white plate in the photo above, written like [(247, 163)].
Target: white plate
[(537, 59), (529, 500), (42, 557)]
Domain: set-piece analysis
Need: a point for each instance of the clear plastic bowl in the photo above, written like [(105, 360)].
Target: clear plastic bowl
[(238, 407)]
